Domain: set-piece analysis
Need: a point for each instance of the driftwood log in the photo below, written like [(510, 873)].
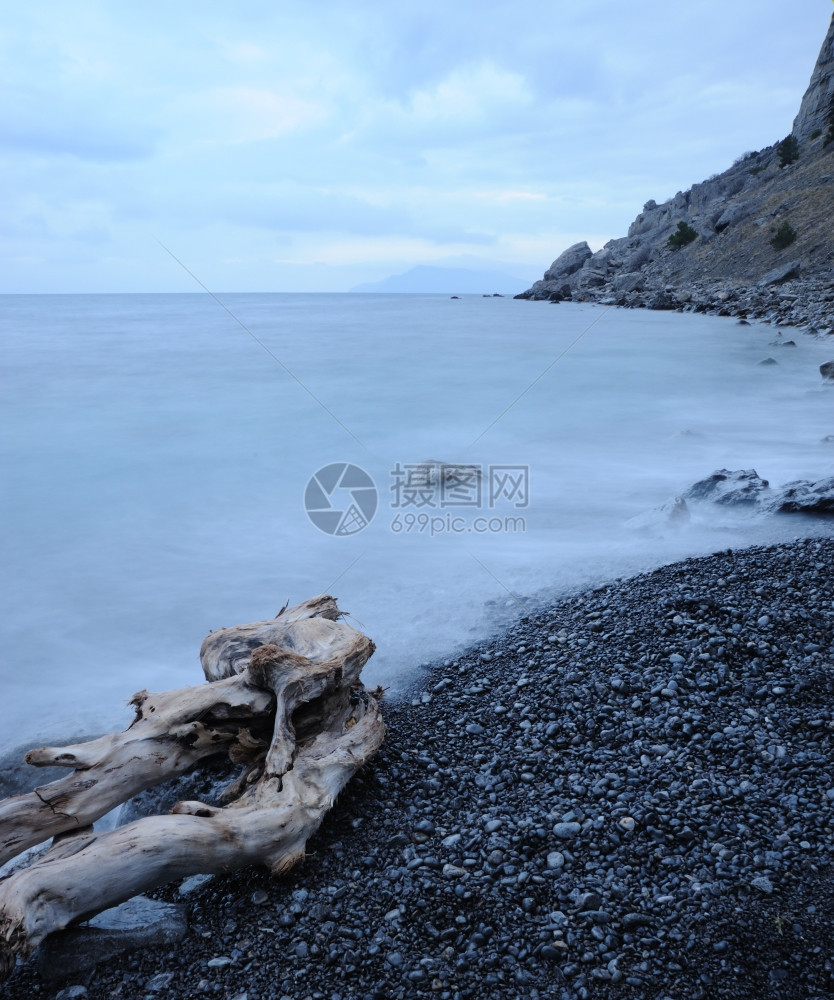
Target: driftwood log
[(283, 700)]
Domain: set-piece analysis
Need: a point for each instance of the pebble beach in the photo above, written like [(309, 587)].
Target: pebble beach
[(628, 794)]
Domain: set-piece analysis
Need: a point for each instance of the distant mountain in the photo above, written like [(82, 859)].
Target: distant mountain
[(445, 280)]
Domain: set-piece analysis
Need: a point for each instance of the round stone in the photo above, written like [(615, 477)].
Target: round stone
[(566, 831)]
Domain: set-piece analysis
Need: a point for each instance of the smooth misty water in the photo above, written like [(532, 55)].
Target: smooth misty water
[(155, 461)]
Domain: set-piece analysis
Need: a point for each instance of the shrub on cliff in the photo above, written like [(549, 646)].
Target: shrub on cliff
[(685, 234), (783, 236), (788, 151)]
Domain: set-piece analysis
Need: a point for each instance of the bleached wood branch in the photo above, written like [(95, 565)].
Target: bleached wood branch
[(171, 732), (295, 714)]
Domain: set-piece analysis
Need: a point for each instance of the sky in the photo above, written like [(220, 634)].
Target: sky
[(280, 146)]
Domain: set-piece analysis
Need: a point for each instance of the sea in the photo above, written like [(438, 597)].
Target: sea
[(172, 464)]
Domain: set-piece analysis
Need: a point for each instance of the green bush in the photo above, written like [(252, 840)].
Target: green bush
[(685, 234), (788, 151), (815, 134), (783, 236)]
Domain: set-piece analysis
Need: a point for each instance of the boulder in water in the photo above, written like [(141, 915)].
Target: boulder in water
[(804, 497), (742, 487)]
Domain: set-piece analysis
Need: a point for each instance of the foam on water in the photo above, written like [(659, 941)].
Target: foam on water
[(155, 461)]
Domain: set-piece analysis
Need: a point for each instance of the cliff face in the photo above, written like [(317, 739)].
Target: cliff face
[(730, 264), (817, 104)]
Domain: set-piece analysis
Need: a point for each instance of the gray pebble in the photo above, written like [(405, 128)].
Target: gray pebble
[(159, 982), (566, 831)]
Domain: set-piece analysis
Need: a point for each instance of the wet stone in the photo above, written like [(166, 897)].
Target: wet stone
[(566, 831)]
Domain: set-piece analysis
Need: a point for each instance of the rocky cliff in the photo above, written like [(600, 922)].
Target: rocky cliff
[(729, 257), (816, 108)]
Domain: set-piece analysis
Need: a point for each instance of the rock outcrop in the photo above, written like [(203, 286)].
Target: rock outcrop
[(733, 265), (746, 488), (803, 497), (731, 489), (816, 108)]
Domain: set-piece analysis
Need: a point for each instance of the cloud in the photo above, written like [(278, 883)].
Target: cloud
[(283, 207), (335, 249), (242, 114), (468, 95), (504, 197), (417, 129), (49, 123)]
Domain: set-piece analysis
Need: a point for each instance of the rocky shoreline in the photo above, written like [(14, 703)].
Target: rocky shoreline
[(626, 795), (806, 304)]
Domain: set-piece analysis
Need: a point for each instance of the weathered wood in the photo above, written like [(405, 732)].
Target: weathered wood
[(171, 732), (227, 651), (301, 723)]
